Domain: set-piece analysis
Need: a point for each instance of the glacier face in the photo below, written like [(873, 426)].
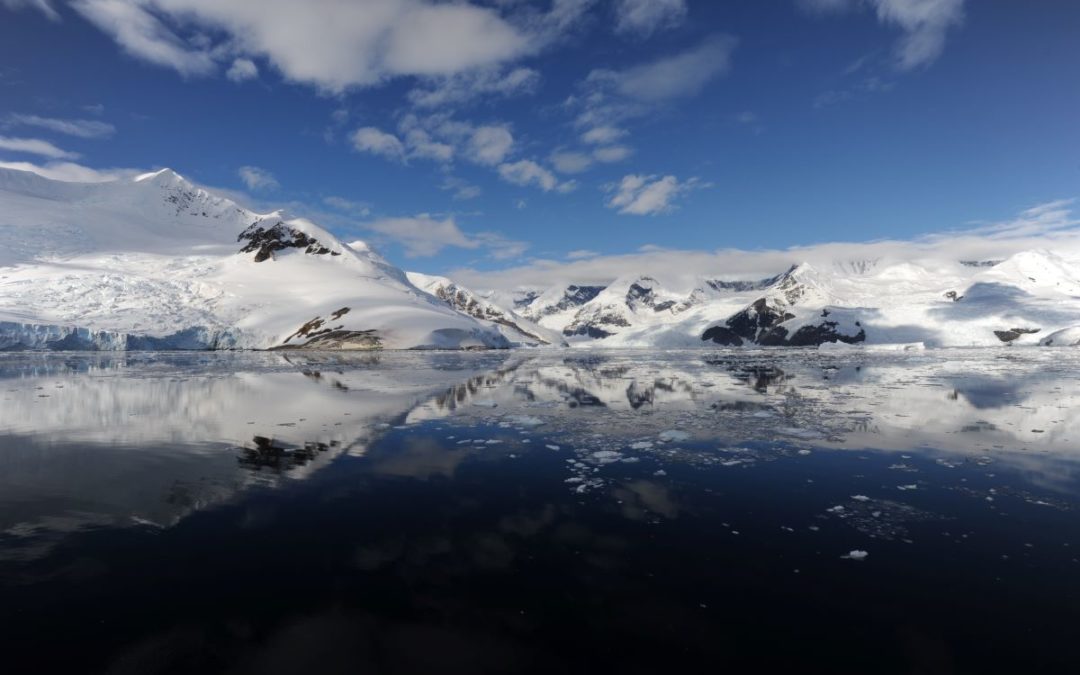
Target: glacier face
[(159, 263)]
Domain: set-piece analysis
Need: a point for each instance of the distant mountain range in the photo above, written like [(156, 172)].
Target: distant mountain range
[(158, 263)]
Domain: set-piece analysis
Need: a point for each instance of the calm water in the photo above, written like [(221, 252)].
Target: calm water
[(540, 512)]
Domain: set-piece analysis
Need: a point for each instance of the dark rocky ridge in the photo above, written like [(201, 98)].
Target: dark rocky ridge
[(762, 324), (264, 242)]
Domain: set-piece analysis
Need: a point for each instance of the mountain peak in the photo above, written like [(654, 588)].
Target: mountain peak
[(161, 176)]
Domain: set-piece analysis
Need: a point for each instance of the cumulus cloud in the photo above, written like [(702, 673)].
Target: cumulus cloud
[(1053, 225), (425, 235), (602, 135), (142, 35), (490, 145), (242, 70), (645, 17), (71, 127), (465, 87), (421, 235), (35, 146), (462, 189), (257, 179), (334, 45), (612, 153), (925, 24), (354, 208), (378, 142), (527, 172), (640, 195), (422, 145), (567, 161), (574, 161)]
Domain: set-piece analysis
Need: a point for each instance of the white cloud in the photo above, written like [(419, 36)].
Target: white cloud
[(676, 76), (574, 161), (257, 179), (602, 135), (142, 35), (1052, 226), (925, 24), (527, 172), (424, 235), (378, 142), (648, 195), (79, 128), (348, 206), (567, 161), (612, 153), (422, 145), (35, 146), (70, 171), (467, 86), (645, 17), (490, 145), (242, 70), (463, 190), (42, 6), (334, 45)]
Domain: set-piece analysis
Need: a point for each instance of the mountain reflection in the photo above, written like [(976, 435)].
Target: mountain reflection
[(87, 440)]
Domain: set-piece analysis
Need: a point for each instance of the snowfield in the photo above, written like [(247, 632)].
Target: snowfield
[(1030, 298), (158, 263)]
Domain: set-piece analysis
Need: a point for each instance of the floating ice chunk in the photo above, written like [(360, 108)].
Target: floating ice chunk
[(525, 421), (641, 445), (551, 447), (855, 555), (606, 456), (673, 436), (907, 487), (659, 472), (860, 498), (485, 403)]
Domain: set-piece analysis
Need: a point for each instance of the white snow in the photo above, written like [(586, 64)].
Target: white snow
[(903, 305), (108, 265)]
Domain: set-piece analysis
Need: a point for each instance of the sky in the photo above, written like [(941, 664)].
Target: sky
[(497, 140)]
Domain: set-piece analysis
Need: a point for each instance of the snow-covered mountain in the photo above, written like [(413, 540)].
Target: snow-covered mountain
[(159, 263), (156, 263), (1032, 297), (518, 330)]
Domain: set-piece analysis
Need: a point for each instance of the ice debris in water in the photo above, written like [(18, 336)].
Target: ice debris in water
[(673, 436), (855, 555), (525, 420)]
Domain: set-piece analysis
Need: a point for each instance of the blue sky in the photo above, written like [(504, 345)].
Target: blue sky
[(489, 135)]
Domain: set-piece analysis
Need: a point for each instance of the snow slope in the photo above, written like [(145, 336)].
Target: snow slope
[(157, 262), (1032, 297), (518, 330)]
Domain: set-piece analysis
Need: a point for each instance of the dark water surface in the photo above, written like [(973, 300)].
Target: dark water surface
[(540, 512)]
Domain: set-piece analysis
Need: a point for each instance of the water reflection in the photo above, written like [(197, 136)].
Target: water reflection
[(508, 506), (202, 426)]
